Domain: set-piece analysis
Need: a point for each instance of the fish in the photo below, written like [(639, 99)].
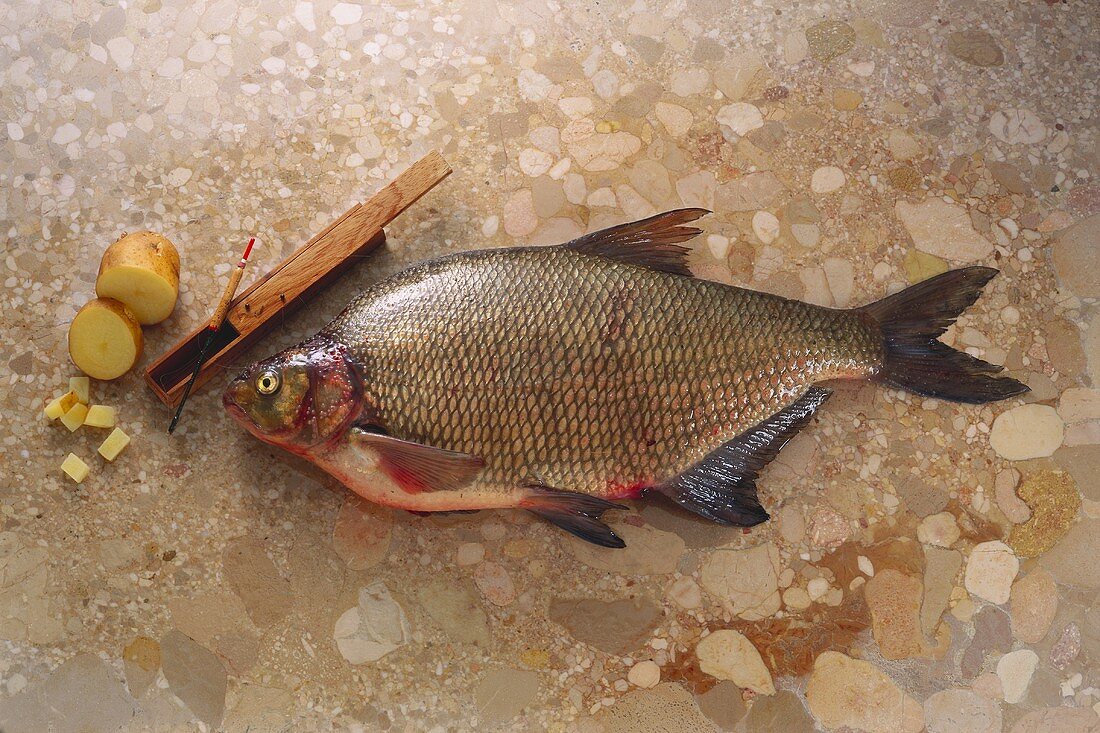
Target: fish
[(566, 379)]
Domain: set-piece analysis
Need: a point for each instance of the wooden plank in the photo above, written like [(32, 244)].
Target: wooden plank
[(324, 257)]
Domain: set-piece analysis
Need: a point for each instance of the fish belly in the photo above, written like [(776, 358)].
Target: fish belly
[(575, 372), (358, 470)]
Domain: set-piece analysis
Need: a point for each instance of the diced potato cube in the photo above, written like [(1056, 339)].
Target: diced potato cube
[(82, 387), (60, 405), (101, 416), (114, 444), (74, 418), (75, 468)]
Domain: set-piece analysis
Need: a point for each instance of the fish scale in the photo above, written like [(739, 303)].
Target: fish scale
[(567, 369)]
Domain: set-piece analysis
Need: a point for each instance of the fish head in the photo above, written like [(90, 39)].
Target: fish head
[(299, 399)]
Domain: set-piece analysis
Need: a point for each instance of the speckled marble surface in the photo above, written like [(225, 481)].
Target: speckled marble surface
[(928, 566)]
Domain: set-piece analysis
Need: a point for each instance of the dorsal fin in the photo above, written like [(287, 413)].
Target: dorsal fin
[(652, 242)]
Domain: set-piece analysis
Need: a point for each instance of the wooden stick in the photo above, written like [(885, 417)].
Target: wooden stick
[(308, 269), (212, 329), (230, 289)]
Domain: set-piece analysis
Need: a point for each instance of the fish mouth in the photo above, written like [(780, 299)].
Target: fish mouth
[(235, 411), (229, 402), (239, 414)]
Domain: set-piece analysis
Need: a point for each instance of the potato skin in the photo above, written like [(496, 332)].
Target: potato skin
[(147, 251), (128, 319)]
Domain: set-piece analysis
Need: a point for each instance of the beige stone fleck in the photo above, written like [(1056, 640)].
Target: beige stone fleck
[(685, 593), (503, 694), (740, 117), (1015, 670), (372, 629), (534, 162), (961, 711), (1033, 603), (795, 47), (495, 583), (604, 151), (1017, 126), (895, 603), (747, 581), (1074, 256), (727, 655), (902, 145), (990, 570), (576, 108), (938, 529), (689, 81), (676, 119), (766, 226), (519, 214), (850, 692), (1027, 431), (942, 229), (648, 551), (266, 594), (840, 275), (361, 533), (1078, 404), (826, 179), (644, 674), (738, 73)]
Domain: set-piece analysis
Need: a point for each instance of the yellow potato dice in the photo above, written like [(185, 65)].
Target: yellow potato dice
[(101, 416), (60, 405), (74, 418), (75, 468), (114, 444), (81, 386)]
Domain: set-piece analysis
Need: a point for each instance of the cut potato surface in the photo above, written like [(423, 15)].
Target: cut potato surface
[(141, 270), (105, 339), (60, 405), (75, 468), (113, 445), (74, 418), (81, 386), (101, 416)]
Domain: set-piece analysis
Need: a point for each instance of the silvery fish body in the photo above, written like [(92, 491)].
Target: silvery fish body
[(560, 379)]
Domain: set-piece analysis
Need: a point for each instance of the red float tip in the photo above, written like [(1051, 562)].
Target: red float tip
[(248, 249)]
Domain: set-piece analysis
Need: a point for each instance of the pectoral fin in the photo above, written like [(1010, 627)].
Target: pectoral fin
[(416, 467), (722, 486), (576, 513)]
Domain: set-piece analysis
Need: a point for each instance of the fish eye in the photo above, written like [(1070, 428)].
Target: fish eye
[(267, 382)]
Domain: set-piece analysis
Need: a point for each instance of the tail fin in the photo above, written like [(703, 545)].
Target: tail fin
[(915, 361)]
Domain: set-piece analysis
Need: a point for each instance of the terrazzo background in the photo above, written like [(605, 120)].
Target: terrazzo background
[(928, 566)]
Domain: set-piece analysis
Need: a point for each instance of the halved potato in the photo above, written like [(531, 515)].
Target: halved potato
[(105, 339), (141, 270)]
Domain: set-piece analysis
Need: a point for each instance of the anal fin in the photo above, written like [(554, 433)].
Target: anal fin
[(722, 486), (576, 513)]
